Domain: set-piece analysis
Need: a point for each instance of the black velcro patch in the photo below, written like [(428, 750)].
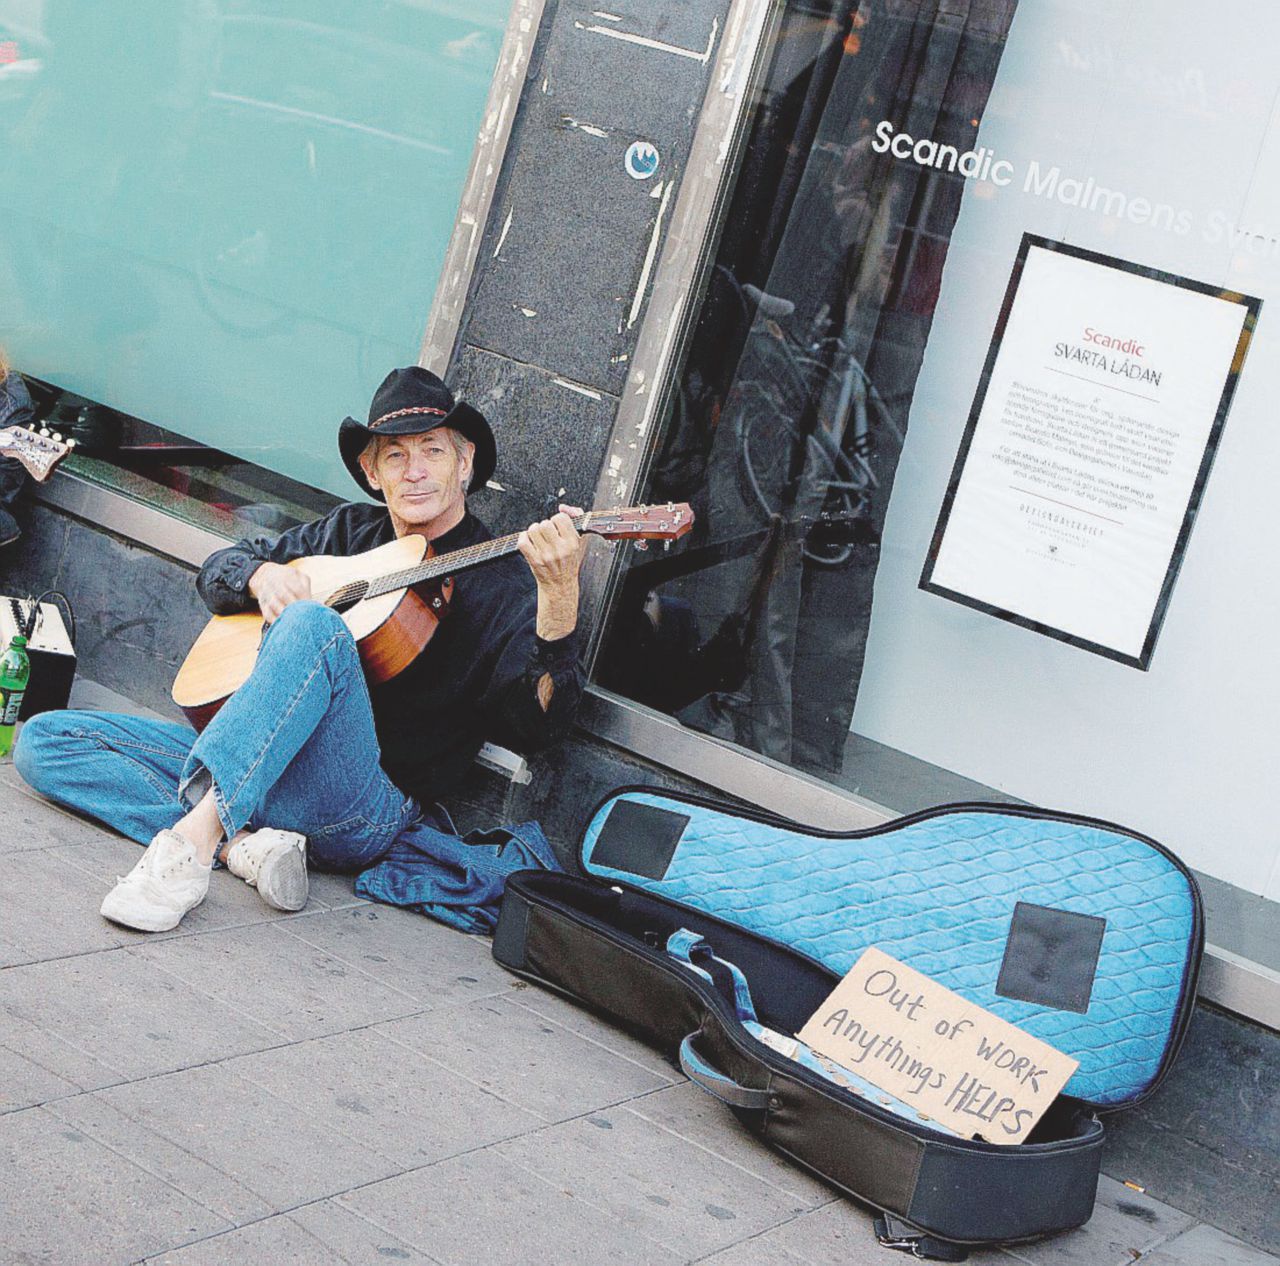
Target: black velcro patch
[(1051, 957), (639, 838)]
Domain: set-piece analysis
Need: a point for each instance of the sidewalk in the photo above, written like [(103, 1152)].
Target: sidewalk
[(359, 1084)]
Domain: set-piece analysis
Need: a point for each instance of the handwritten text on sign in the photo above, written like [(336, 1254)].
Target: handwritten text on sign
[(957, 1062)]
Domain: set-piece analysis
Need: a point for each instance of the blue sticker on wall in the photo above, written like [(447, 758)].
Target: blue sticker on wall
[(641, 161)]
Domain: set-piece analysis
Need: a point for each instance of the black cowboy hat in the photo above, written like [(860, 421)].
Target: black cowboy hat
[(409, 402)]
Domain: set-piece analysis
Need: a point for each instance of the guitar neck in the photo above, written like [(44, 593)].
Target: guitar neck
[(456, 561)]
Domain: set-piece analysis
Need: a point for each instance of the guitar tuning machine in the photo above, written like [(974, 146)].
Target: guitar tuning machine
[(642, 544)]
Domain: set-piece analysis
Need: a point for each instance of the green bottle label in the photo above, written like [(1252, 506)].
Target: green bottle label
[(10, 705)]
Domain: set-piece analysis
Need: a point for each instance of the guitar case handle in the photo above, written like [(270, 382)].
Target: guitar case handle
[(716, 1083)]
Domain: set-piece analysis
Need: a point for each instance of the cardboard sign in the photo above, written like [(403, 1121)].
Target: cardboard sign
[(953, 1061)]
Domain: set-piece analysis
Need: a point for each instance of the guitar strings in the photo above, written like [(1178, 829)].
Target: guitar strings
[(444, 565)]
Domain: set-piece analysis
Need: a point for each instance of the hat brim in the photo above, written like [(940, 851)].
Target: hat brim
[(353, 437)]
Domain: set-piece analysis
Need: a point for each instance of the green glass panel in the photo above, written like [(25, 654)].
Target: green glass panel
[(228, 217)]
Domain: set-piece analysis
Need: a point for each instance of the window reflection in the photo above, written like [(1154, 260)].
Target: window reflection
[(229, 215), (202, 485), (788, 423)]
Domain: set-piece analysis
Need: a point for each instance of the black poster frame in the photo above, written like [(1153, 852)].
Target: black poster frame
[(1252, 306)]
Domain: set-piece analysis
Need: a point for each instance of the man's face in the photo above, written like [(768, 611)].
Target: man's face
[(422, 477)]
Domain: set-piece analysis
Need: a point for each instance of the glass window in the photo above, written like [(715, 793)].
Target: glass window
[(228, 218), (204, 486), (865, 309)]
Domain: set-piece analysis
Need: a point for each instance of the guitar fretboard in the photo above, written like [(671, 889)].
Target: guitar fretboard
[(442, 565)]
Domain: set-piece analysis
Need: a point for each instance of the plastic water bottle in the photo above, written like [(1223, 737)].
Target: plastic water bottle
[(15, 669)]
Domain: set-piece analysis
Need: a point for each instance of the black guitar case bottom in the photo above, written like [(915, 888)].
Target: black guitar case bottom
[(1083, 933)]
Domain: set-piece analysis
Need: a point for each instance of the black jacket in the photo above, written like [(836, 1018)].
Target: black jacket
[(477, 678)]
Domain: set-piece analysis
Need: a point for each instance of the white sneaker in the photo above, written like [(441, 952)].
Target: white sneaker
[(166, 883), (275, 863)]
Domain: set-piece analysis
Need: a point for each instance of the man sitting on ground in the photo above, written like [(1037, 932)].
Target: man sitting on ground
[(305, 755)]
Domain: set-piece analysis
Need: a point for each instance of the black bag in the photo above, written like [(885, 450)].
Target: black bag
[(1085, 934)]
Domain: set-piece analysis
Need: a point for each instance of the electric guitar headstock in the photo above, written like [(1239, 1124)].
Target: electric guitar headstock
[(666, 522), (38, 451)]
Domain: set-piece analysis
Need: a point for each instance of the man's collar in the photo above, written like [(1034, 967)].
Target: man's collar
[(465, 532)]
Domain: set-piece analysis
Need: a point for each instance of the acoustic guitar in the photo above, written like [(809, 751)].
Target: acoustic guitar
[(38, 451), (392, 599)]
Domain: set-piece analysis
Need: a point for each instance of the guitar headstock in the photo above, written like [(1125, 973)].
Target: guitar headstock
[(39, 451), (641, 523)]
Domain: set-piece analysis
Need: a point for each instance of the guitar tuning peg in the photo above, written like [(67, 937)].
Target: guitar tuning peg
[(71, 443), (44, 430), (57, 438)]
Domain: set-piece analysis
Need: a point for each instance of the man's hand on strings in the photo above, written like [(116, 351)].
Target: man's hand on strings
[(274, 586), (553, 549)]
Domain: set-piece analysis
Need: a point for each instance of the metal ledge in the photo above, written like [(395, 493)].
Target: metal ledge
[(1241, 985), (727, 768), (137, 521), (1228, 979)]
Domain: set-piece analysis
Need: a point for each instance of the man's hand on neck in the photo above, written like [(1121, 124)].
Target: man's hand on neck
[(553, 549)]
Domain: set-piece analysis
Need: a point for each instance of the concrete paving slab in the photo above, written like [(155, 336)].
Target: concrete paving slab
[(652, 1181), (318, 1235), (1205, 1245), (72, 1201), (586, 1024), (103, 1018), (29, 821), (694, 1116), (285, 984), (483, 1208), (1162, 1220), (273, 1150), (371, 1089), (49, 910), (357, 1239), (25, 1084), (409, 952), (837, 1232), (185, 1170), (523, 1058), (1116, 1235), (45, 1048), (332, 892)]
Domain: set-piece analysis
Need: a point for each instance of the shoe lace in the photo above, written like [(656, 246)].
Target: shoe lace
[(149, 866), (252, 863)]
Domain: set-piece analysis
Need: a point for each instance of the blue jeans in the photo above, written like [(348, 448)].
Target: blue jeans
[(293, 748)]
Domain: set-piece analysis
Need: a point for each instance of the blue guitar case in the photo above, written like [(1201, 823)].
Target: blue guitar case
[(709, 929)]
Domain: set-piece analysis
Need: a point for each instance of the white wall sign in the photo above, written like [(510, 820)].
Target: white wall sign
[(1094, 427)]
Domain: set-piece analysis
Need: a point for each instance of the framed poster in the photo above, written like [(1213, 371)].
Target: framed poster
[(1091, 436)]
